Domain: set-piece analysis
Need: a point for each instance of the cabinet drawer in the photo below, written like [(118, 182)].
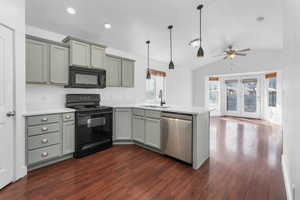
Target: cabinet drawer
[(43, 154), (68, 117), (42, 129), (42, 119), (43, 140), (139, 112), (152, 114)]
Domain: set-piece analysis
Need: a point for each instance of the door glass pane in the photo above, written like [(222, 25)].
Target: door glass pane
[(250, 95), (231, 95)]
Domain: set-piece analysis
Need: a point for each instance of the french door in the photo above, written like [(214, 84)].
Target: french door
[(6, 106), (242, 96)]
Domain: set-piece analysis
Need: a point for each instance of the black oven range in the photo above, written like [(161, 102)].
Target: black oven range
[(93, 130)]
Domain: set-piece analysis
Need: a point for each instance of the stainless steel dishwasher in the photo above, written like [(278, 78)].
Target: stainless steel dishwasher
[(176, 135)]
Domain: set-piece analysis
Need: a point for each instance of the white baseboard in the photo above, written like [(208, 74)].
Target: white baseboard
[(20, 173), (286, 177)]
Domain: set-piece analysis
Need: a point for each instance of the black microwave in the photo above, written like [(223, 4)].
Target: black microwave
[(81, 77)]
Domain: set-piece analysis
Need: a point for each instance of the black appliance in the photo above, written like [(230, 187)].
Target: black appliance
[(81, 77), (94, 123)]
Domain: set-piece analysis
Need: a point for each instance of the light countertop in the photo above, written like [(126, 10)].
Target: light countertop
[(176, 109), (33, 112)]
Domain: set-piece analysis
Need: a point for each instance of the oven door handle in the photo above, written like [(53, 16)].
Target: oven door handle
[(101, 121)]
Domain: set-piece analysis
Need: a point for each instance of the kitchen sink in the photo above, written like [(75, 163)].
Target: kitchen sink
[(155, 106)]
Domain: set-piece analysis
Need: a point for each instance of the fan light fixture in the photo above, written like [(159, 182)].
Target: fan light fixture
[(200, 52), (171, 64), (148, 75)]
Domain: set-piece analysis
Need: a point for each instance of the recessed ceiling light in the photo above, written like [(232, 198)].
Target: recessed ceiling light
[(260, 19), (107, 26), (71, 10)]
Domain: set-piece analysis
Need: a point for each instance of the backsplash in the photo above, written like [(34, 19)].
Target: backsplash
[(47, 96)]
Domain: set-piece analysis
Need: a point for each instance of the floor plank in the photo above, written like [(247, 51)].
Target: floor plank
[(245, 163)]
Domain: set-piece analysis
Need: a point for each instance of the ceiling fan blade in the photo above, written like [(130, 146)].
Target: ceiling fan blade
[(241, 54), (243, 50)]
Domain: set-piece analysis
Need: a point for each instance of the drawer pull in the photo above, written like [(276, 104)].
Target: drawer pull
[(68, 117), (44, 154), (44, 129), (44, 141), (44, 119)]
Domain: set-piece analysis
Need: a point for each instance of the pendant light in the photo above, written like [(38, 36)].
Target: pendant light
[(171, 65), (200, 53), (148, 76)]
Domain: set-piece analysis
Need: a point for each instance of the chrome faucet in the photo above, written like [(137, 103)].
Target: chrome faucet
[(161, 98)]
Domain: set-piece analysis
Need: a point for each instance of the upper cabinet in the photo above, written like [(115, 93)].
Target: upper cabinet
[(46, 61), (97, 57), (113, 67), (127, 73), (79, 54), (85, 54), (59, 62), (119, 71), (37, 61)]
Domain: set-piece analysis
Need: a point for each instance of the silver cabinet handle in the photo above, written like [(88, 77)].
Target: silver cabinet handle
[(68, 117), (44, 119), (44, 154), (44, 141), (44, 129)]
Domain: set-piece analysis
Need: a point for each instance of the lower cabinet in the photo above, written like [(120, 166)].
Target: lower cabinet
[(152, 132), (122, 124), (138, 124), (68, 137), (49, 138)]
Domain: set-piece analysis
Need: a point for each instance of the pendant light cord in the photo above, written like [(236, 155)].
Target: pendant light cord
[(200, 38), (171, 54), (148, 53)]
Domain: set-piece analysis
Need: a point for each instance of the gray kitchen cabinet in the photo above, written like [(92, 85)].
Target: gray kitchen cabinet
[(68, 141), (80, 54), (138, 126), (113, 67), (127, 73), (123, 124), (97, 57), (37, 61), (59, 64), (152, 133)]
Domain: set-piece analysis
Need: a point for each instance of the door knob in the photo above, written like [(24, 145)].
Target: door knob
[(11, 114)]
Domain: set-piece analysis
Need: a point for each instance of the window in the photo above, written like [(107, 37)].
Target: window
[(213, 93), (154, 85), (272, 91)]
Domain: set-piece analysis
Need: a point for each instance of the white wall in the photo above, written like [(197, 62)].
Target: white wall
[(178, 82), (256, 61), (291, 97), (12, 14)]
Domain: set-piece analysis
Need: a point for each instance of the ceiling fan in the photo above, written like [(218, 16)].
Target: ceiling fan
[(231, 53)]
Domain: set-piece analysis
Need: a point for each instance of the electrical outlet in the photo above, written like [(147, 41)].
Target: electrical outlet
[(293, 192)]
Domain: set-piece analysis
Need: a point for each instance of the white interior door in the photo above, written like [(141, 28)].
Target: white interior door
[(6, 106), (241, 96)]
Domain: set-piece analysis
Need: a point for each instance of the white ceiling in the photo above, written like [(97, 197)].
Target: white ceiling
[(135, 21)]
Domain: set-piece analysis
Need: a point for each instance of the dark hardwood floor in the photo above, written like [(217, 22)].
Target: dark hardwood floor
[(244, 164)]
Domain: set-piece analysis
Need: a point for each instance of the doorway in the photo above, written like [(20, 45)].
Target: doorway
[(241, 96), (6, 105)]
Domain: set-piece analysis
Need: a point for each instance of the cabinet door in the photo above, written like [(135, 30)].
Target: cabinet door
[(59, 64), (127, 73), (138, 124), (152, 132), (113, 69), (68, 137), (97, 57), (80, 54), (37, 59), (123, 124)]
